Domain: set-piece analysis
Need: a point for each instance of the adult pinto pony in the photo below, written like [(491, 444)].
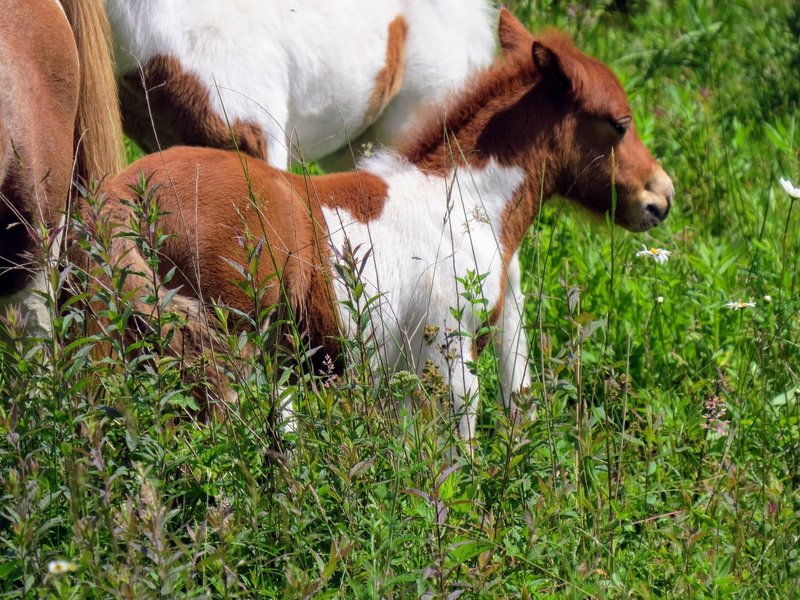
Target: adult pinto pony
[(457, 199), (290, 80), (57, 94)]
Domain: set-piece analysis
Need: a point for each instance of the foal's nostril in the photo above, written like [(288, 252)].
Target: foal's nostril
[(668, 194), (658, 211)]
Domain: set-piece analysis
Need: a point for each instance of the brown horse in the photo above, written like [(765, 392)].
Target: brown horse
[(441, 220), (57, 94)]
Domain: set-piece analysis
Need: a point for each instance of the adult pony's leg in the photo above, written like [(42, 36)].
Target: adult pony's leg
[(447, 42), (58, 94), (166, 105), (33, 304), (387, 85)]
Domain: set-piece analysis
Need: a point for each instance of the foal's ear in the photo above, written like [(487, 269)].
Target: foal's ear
[(511, 33), (550, 67)]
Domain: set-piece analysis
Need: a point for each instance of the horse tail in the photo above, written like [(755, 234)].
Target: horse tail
[(98, 125)]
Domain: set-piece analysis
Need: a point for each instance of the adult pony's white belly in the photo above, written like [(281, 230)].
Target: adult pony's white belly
[(305, 71)]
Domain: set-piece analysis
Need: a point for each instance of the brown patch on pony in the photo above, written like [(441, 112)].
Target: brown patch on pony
[(182, 114), (98, 129), (362, 194), (390, 78)]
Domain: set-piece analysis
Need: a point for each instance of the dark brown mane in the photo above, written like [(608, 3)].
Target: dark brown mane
[(507, 76), (501, 84)]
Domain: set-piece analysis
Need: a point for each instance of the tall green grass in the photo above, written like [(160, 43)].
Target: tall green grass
[(665, 457)]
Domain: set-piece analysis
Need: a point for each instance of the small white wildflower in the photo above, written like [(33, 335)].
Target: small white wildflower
[(739, 304), (789, 187), (659, 299), (767, 298), (59, 567), (657, 254)]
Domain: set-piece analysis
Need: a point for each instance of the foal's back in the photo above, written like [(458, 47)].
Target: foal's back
[(218, 207)]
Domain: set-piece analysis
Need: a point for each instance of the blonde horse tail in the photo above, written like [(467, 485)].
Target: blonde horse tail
[(98, 126)]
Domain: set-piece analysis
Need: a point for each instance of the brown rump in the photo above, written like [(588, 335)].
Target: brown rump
[(216, 205), (38, 104)]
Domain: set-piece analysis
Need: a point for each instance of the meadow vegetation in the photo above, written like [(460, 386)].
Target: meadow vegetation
[(665, 459)]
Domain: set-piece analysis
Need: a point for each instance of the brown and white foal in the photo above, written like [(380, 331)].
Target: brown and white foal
[(456, 199)]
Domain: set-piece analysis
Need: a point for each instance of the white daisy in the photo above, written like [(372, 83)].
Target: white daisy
[(59, 567), (659, 299), (657, 254), (739, 304), (789, 187)]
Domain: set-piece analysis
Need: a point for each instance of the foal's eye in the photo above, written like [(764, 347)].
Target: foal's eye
[(621, 125)]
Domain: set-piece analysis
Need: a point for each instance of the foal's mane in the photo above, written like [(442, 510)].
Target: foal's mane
[(507, 78)]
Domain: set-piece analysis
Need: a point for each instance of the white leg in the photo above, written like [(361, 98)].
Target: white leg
[(449, 356), (464, 392), (288, 418), (278, 152), (33, 300), (512, 347)]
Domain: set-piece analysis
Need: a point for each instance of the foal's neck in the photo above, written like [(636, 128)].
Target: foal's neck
[(448, 135), (490, 135)]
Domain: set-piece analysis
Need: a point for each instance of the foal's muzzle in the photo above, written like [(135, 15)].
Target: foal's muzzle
[(653, 203)]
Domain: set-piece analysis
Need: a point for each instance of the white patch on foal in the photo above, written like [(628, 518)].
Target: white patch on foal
[(434, 230)]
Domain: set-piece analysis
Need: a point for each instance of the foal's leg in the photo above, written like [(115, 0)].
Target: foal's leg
[(450, 357), (512, 341), (463, 385), (464, 395)]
